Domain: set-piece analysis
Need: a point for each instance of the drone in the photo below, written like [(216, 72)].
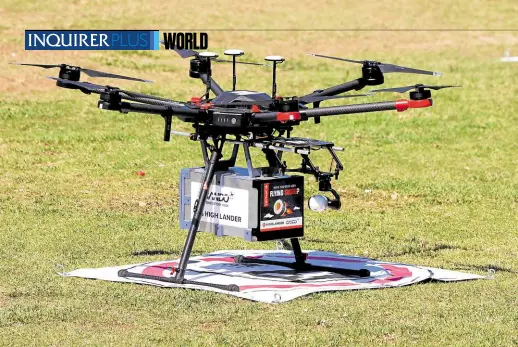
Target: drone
[(253, 203)]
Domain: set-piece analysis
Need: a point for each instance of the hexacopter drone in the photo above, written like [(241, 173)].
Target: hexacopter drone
[(255, 204)]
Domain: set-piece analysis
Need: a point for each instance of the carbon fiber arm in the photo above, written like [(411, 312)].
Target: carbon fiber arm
[(216, 89), (356, 84), (149, 99), (265, 117), (348, 109), (126, 107), (399, 105), (161, 109), (182, 112)]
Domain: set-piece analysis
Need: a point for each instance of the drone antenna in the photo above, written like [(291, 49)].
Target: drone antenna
[(234, 53), (275, 59), (208, 56)]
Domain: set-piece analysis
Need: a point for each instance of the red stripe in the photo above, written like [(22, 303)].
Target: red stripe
[(196, 101), (158, 270), (403, 105), (397, 270), (266, 194), (281, 228), (419, 103), (222, 259), (287, 116), (390, 279), (397, 273)]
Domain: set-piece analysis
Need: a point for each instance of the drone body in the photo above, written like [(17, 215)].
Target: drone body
[(255, 204)]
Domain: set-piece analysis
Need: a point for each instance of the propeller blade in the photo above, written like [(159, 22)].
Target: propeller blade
[(384, 67), (394, 90), (440, 87), (387, 68), (94, 73), (45, 66), (408, 88), (83, 86), (309, 99), (184, 53), (89, 72), (88, 88), (335, 58)]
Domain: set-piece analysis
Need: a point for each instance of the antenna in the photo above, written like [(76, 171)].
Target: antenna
[(234, 53), (275, 59), (208, 56)]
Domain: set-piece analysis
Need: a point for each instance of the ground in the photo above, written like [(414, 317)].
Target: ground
[(435, 187)]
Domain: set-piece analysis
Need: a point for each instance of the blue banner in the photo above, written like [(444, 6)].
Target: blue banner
[(94, 40)]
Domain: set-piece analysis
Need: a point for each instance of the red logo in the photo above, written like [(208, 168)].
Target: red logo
[(266, 194), (291, 191)]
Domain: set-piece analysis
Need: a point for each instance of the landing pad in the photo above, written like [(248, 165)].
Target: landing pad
[(272, 283)]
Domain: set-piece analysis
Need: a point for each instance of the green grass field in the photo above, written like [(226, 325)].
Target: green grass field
[(69, 192)]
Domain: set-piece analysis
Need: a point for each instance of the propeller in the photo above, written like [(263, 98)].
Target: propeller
[(73, 72), (85, 87), (184, 53), (187, 53), (384, 67), (420, 92), (417, 87)]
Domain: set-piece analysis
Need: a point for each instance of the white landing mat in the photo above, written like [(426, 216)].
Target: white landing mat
[(272, 283)]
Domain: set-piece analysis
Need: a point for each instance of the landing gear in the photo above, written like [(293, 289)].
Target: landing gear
[(214, 163), (300, 263)]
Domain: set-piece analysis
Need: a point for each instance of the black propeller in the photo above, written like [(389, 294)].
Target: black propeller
[(384, 67), (85, 87), (70, 72), (184, 53), (417, 87), (420, 92)]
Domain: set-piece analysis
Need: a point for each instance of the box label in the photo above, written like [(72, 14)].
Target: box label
[(281, 224), (224, 205), (282, 206)]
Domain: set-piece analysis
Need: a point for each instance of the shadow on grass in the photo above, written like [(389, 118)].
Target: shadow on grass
[(325, 241), (147, 252), (424, 249)]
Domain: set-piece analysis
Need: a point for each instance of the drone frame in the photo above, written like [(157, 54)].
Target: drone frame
[(249, 127)]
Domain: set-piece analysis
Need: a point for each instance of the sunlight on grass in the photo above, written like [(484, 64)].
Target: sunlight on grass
[(435, 187)]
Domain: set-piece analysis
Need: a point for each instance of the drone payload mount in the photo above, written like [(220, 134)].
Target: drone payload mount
[(253, 203)]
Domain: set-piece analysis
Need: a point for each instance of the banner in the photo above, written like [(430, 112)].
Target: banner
[(68, 40)]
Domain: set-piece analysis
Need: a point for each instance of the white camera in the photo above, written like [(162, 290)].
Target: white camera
[(318, 203)]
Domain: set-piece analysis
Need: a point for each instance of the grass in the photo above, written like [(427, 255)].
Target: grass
[(69, 192)]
